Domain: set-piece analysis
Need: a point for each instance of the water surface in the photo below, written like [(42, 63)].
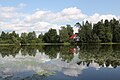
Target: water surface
[(81, 62)]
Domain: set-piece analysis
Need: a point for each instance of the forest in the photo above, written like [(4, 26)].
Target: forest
[(104, 31)]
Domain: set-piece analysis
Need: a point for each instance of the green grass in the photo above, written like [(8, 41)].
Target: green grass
[(54, 44), (6, 44), (47, 44), (99, 43)]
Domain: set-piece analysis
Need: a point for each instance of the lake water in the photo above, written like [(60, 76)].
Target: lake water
[(82, 62)]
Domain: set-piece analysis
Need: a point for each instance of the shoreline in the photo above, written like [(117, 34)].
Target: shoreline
[(52, 44)]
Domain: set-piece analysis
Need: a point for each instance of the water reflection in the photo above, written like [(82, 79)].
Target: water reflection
[(31, 61), (68, 68)]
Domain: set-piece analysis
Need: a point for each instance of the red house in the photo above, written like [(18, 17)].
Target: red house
[(74, 38)]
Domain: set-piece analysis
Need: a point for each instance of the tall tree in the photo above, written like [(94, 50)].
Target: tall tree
[(70, 30), (24, 38), (51, 36), (115, 24), (3, 35), (99, 30), (108, 31), (64, 37), (31, 37), (85, 32), (40, 38), (14, 37)]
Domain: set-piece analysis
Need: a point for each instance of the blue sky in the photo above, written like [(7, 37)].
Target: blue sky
[(28, 15), (87, 6)]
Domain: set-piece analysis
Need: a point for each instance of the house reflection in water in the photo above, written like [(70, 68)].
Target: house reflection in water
[(26, 66), (71, 68)]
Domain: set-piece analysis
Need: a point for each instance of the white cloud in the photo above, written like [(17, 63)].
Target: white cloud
[(44, 20), (7, 9), (8, 13), (67, 14), (44, 27), (11, 18), (21, 5), (38, 15), (73, 13), (19, 27), (97, 17)]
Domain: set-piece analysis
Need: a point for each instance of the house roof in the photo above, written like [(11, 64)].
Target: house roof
[(74, 35)]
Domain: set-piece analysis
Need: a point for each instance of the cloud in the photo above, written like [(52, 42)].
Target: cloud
[(9, 13), (37, 16), (44, 20), (73, 13), (69, 14), (19, 26), (12, 18), (66, 15), (7, 9), (42, 27), (6, 12), (21, 5), (97, 17)]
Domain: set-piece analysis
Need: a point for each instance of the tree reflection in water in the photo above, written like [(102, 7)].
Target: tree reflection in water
[(30, 61)]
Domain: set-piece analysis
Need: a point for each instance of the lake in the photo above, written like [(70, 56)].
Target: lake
[(71, 62)]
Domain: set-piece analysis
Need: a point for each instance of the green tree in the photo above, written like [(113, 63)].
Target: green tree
[(14, 37), (3, 35), (85, 32), (24, 38), (51, 36), (31, 38), (64, 37), (99, 30), (95, 38), (108, 31), (70, 30), (115, 30), (40, 38)]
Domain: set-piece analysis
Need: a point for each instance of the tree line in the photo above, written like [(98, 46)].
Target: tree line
[(31, 38), (101, 32)]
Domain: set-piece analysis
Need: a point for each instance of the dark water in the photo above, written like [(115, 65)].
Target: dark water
[(82, 62)]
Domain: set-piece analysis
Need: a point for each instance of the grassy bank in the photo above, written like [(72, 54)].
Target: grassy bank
[(6, 44), (54, 44), (98, 43), (47, 44), (37, 44)]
